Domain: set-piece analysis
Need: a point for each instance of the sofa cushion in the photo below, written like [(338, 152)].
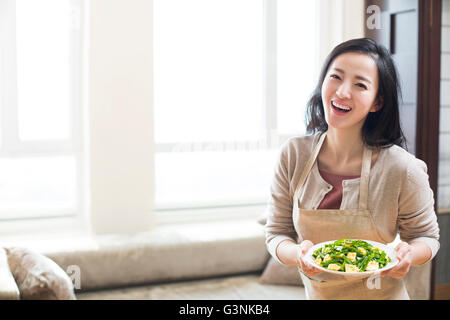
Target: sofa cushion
[(38, 277), (276, 273), (8, 288)]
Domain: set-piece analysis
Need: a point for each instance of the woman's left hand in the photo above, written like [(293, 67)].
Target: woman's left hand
[(404, 256)]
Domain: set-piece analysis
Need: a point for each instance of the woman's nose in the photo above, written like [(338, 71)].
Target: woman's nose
[(343, 91)]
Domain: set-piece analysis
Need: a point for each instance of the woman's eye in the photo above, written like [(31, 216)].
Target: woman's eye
[(361, 85), (335, 76)]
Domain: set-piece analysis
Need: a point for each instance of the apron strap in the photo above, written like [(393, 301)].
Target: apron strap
[(365, 174), (310, 163)]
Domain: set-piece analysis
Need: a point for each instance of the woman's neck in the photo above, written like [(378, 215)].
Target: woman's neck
[(343, 146)]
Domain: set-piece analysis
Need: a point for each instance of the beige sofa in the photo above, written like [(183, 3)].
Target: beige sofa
[(218, 260)]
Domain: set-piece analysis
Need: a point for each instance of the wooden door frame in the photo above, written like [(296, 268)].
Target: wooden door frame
[(428, 91), (428, 96)]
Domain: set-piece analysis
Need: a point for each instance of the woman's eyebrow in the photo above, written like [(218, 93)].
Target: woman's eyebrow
[(357, 77)]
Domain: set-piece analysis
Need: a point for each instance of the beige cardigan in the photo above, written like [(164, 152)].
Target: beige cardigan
[(400, 197)]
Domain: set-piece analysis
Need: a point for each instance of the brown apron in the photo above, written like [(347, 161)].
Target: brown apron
[(329, 224)]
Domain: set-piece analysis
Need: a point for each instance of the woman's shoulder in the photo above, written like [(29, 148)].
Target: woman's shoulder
[(401, 161)]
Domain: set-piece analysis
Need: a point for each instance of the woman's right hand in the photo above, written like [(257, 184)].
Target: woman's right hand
[(307, 268)]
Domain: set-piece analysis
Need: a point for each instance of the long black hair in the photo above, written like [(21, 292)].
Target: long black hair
[(381, 128)]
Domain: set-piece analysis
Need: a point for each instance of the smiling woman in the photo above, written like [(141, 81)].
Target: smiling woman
[(381, 94), (345, 92), (348, 99), (355, 129)]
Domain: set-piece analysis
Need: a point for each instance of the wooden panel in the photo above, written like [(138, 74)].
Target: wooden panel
[(376, 34), (428, 105), (430, 14), (442, 292)]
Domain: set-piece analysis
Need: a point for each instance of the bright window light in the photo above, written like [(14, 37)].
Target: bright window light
[(37, 186), (39, 109), (43, 69), (208, 70), (201, 179), (296, 62)]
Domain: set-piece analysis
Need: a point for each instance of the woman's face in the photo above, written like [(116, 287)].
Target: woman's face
[(349, 90)]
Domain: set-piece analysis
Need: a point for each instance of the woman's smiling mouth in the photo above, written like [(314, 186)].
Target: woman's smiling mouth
[(339, 108)]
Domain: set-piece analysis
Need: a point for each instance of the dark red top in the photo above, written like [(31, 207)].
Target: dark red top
[(333, 198)]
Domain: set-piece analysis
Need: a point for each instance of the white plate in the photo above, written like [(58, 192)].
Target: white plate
[(390, 251)]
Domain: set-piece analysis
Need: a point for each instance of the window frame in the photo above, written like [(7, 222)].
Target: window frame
[(12, 147), (271, 138), (96, 217)]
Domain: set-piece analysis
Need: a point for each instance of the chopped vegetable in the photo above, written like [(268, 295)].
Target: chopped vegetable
[(349, 255)]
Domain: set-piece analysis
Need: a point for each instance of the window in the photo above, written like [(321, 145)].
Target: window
[(231, 81), (40, 146)]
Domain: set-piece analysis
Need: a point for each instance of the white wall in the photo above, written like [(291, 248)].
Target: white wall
[(120, 100)]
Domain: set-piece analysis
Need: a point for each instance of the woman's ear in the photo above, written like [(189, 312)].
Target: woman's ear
[(378, 104)]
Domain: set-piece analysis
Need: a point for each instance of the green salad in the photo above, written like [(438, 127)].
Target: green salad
[(349, 255)]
